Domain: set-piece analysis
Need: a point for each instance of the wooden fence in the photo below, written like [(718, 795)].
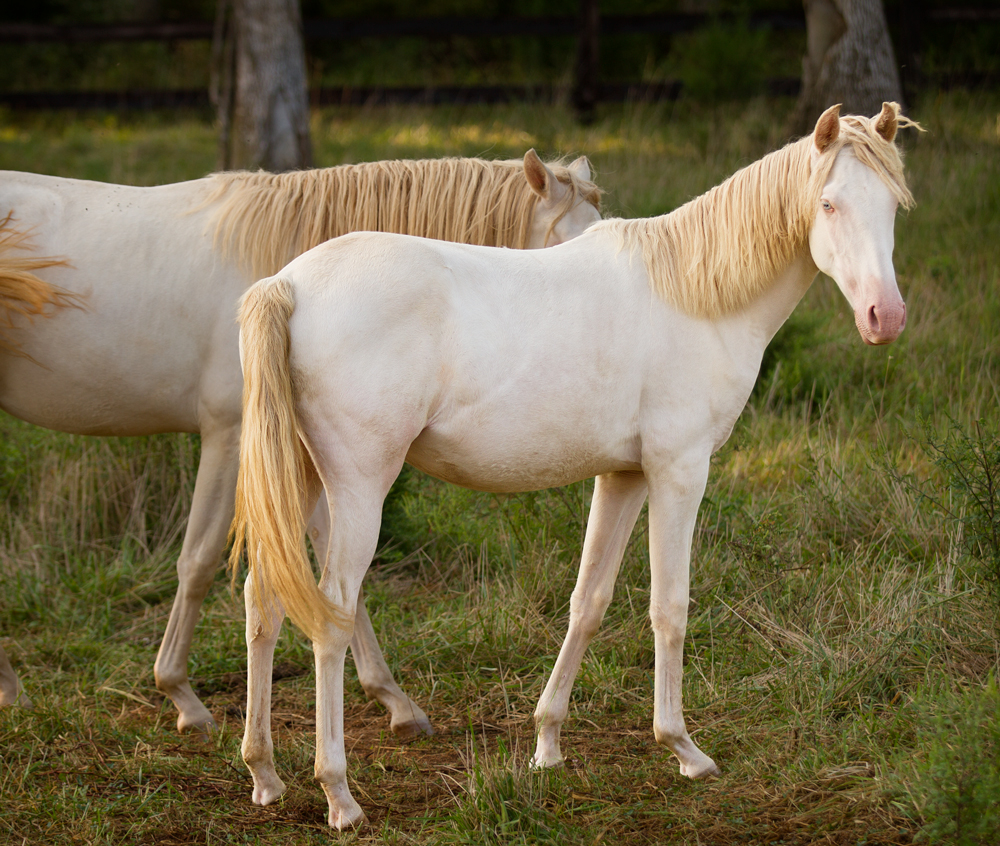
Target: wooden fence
[(912, 21)]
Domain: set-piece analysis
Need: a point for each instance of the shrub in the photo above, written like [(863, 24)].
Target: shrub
[(958, 783), (971, 464), (723, 61)]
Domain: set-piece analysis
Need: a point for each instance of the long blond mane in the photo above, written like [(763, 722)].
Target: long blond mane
[(267, 219), (22, 293), (715, 254)]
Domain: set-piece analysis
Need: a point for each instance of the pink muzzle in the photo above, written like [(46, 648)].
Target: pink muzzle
[(882, 322)]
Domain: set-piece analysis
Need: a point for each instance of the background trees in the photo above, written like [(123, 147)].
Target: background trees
[(850, 60), (259, 85)]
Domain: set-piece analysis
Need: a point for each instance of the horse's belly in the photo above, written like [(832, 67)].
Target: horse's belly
[(489, 462), (70, 401), (96, 371)]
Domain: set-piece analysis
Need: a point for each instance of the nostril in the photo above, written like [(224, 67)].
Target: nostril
[(873, 322)]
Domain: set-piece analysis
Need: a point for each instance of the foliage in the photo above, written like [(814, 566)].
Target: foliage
[(957, 784), (792, 369), (390, 61), (969, 494), (723, 61), (971, 463)]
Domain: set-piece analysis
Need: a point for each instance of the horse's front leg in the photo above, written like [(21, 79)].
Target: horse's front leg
[(263, 628), (618, 498), (674, 497), (406, 718), (204, 542)]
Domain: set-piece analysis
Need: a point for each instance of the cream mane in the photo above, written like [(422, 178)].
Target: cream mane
[(718, 252), (267, 219)]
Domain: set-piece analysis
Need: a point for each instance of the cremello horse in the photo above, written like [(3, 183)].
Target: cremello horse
[(158, 273), (627, 354)]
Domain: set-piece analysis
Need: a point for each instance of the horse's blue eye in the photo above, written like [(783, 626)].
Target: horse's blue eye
[(827, 206)]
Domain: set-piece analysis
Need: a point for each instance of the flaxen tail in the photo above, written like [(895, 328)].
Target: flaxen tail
[(21, 291), (270, 524)]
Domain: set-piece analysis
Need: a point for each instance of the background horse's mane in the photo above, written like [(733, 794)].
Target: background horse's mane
[(718, 252), (267, 219), (21, 291)]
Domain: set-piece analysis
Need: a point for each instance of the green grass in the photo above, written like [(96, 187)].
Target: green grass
[(842, 632)]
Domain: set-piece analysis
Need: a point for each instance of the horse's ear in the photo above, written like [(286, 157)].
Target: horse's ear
[(539, 177), (581, 167), (827, 128), (887, 122)]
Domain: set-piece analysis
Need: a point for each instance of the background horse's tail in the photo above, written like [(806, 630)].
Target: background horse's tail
[(21, 291), (271, 490)]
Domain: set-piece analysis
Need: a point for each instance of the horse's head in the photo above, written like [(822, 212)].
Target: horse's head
[(851, 238), (567, 201)]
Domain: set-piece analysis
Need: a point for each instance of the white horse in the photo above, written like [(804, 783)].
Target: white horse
[(627, 354), (153, 347)]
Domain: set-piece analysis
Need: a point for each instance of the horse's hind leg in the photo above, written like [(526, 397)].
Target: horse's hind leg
[(356, 508), (407, 719), (258, 748), (11, 692), (618, 498), (263, 626), (204, 542)]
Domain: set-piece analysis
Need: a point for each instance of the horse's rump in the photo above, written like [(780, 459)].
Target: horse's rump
[(21, 291)]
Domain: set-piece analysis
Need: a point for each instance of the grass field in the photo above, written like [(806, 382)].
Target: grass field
[(844, 632)]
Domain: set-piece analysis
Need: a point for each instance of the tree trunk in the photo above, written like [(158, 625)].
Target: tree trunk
[(849, 61), (259, 85)]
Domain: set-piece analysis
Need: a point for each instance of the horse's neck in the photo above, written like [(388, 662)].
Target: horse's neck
[(764, 316)]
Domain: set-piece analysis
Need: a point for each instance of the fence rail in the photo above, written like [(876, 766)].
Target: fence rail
[(915, 19), (350, 28), (341, 29)]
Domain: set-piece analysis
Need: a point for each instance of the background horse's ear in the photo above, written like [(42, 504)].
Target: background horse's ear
[(887, 122), (827, 128), (581, 167), (539, 177)]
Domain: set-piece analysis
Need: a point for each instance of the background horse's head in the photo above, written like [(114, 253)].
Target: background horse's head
[(851, 238), (568, 202)]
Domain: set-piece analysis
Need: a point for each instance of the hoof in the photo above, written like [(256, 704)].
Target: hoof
[(703, 769), (19, 699), (412, 729), (199, 723), (345, 813), (266, 793), (342, 821), (539, 762)]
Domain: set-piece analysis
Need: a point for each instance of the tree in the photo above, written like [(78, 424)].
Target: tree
[(849, 60), (259, 85)]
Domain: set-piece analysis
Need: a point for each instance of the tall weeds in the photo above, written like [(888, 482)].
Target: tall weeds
[(78, 508)]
